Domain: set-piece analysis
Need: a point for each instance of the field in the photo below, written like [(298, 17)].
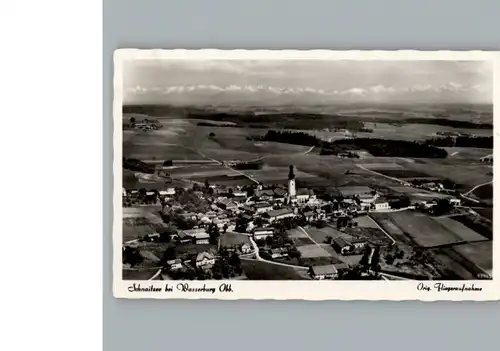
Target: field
[(138, 274), (485, 212), (422, 229), (319, 234), (139, 221), (366, 222), (233, 239), (484, 192), (258, 270), (373, 235), (467, 153), (384, 220), (313, 250), (403, 173), (465, 233), (481, 254)]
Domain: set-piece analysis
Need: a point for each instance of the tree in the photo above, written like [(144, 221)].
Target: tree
[(365, 259), (211, 135), (234, 259), (320, 224), (375, 262), (389, 259), (132, 256), (207, 185), (269, 240), (213, 231), (328, 239), (168, 163), (225, 228), (169, 254), (132, 121)]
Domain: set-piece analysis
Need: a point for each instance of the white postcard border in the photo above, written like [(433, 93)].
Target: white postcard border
[(294, 290)]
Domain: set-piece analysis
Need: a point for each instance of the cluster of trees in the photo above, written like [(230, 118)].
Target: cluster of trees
[(392, 148), (462, 141), (228, 265), (400, 202), (393, 255), (136, 165), (449, 123), (208, 124), (372, 264), (132, 256), (297, 138)]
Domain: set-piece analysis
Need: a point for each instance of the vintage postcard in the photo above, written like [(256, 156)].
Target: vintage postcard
[(313, 175)]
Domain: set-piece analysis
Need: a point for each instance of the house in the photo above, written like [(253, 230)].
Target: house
[(246, 248), (279, 214), (323, 272), (239, 199), (279, 193), (205, 259), (309, 216), (455, 202), (380, 204), (342, 246), (367, 198), (167, 192), (228, 204), (262, 233), (262, 207), (279, 252), (239, 193), (174, 265), (358, 244), (199, 235)]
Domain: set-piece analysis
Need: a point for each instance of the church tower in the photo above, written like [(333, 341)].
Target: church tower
[(291, 185)]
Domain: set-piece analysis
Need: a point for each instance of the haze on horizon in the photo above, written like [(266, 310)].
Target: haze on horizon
[(305, 82)]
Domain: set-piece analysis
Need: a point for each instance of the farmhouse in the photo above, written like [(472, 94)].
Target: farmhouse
[(455, 202), (380, 204), (200, 236), (279, 252), (246, 248), (167, 192), (276, 215), (174, 265), (323, 272), (262, 233), (342, 246), (205, 259)]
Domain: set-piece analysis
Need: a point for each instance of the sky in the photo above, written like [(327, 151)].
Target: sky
[(305, 82)]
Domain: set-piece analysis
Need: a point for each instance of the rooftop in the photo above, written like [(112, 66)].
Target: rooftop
[(354, 190), (204, 255), (323, 270), (279, 212)]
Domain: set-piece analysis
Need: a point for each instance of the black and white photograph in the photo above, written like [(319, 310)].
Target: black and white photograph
[(305, 169)]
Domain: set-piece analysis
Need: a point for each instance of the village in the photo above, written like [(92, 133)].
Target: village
[(213, 231)]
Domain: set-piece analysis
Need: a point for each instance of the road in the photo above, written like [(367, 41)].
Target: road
[(306, 233), (383, 175), (383, 231)]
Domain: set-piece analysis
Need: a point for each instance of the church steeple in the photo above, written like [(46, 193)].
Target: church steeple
[(291, 185)]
